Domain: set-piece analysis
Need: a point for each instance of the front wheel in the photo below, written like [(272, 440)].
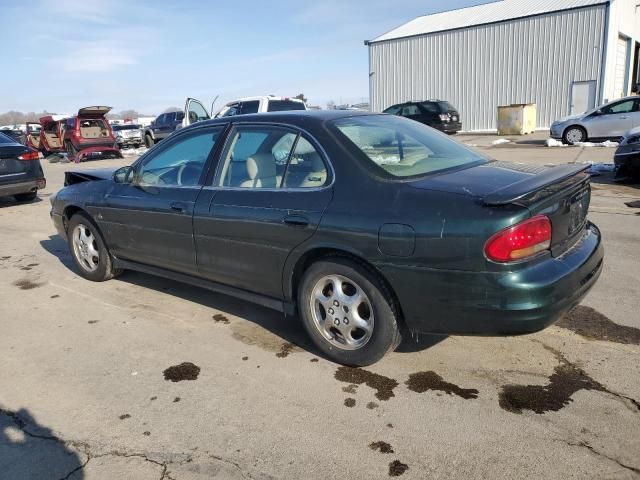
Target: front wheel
[(148, 141), (348, 312), (575, 134), (88, 249)]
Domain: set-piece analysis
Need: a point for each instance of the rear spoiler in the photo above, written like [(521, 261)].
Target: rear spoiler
[(534, 184)]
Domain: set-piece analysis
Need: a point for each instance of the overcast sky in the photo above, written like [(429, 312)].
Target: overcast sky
[(59, 55)]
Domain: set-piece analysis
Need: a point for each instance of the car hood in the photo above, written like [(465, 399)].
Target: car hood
[(497, 182), (571, 117), (72, 177)]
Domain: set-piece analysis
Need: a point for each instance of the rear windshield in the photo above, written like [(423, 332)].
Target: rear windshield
[(402, 148), (116, 128), (6, 139), (282, 105)]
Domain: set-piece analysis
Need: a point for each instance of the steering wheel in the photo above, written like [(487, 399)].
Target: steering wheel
[(190, 168)]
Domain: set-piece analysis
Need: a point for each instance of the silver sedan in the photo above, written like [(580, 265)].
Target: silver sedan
[(611, 120)]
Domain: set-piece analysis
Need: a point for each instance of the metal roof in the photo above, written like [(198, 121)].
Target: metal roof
[(499, 11)]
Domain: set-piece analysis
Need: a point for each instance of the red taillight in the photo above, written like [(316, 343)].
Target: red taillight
[(520, 241), (30, 155)]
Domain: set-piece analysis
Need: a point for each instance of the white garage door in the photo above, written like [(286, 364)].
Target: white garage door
[(621, 67)]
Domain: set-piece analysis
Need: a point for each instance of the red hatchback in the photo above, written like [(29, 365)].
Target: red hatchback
[(89, 136)]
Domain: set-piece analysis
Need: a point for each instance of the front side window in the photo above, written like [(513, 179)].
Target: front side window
[(395, 110), (284, 105), (270, 157), (181, 163), (251, 106), (398, 148), (620, 107)]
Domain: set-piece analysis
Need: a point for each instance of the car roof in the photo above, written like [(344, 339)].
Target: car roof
[(263, 97), (291, 117)]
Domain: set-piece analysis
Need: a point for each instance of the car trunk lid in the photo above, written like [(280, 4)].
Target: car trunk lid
[(562, 193), (93, 112), (11, 167)]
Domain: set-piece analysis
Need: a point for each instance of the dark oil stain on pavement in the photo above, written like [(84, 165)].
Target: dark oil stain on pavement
[(176, 400), (372, 405), (125, 416), (91, 322), (313, 360), (423, 381), (26, 284), (285, 350), (245, 359), (353, 388), (219, 318), (184, 371), (397, 468), (383, 385), (350, 402), (54, 296), (147, 433), (382, 447), (563, 383), (153, 398), (591, 324)]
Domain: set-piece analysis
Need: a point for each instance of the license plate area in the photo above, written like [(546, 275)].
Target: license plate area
[(578, 208)]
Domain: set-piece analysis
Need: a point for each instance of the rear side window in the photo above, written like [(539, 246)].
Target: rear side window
[(408, 110), (445, 107), (430, 107), (399, 148), (271, 157), (284, 105), (249, 107)]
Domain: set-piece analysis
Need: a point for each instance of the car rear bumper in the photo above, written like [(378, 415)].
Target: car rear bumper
[(497, 303), (22, 187), (58, 222), (451, 127), (97, 152)]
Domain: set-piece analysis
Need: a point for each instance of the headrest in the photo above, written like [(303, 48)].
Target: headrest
[(261, 165)]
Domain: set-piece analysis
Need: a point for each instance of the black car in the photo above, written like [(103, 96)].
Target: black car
[(627, 156), (366, 225), (163, 126), (438, 114), (21, 174)]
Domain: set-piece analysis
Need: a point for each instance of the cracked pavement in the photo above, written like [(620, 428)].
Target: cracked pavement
[(84, 396)]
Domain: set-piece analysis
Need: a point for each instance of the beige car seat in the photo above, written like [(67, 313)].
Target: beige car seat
[(261, 169), (313, 174)]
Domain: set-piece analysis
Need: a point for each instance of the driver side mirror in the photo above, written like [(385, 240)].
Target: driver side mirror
[(123, 175)]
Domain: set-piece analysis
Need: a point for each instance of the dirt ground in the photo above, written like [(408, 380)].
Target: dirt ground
[(144, 378)]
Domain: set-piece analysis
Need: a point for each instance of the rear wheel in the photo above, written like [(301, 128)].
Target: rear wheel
[(148, 141), (574, 134), (26, 197), (88, 249), (348, 312)]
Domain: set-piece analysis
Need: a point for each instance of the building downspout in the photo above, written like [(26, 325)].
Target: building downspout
[(605, 45)]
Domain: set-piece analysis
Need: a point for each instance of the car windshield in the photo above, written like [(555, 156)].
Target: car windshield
[(125, 127), (403, 148)]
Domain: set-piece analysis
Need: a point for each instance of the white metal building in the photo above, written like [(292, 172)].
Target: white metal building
[(566, 56)]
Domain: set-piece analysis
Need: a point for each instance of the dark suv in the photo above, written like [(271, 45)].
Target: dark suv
[(163, 126), (438, 114)]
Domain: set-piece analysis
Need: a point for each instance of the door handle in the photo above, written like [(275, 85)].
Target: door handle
[(296, 221), (178, 207)]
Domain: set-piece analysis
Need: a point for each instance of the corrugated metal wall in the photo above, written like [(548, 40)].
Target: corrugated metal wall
[(533, 59)]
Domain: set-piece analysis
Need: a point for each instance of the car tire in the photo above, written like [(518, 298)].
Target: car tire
[(26, 197), (148, 141), (361, 300), (574, 134), (88, 249)]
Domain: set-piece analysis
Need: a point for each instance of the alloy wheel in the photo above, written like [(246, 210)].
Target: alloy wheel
[(85, 248), (342, 312), (575, 135)]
